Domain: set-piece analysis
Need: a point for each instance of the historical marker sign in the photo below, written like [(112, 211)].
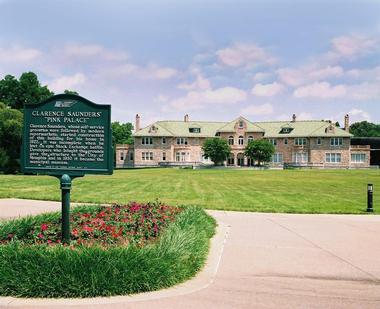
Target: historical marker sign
[(67, 134)]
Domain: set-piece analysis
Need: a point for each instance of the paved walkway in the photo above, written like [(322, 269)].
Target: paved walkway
[(271, 261)]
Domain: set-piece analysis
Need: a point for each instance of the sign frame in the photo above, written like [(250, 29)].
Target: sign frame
[(27, 169)]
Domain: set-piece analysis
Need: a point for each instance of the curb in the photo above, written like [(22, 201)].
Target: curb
[(201, 281)]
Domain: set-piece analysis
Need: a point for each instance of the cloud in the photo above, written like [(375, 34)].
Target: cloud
[(267, 90), (308, 73), (359, 115), (321, 90), (67, 82), (364, 91), (93, 50), (364, 74), (149, 72), (18, 54), (304, 116), (200, 83), (195, 100), (161, 98), (260, 76), (351, 46), (244, 55), (254, 110)]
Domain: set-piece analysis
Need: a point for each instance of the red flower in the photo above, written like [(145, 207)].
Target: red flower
[(40, 236), (88, 229), (44, 227), (75, 232)]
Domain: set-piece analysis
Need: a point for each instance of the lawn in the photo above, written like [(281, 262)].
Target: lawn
[(291, 191)]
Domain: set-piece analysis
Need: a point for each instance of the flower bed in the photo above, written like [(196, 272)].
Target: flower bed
[(116, 250), (105, 225)]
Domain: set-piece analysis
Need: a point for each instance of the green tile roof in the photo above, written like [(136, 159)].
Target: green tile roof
[(300, 128), (181, 128)]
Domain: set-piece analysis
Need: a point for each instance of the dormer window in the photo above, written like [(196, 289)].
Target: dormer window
[(241, 124), (153, 129), (286, 130), (195, 130)]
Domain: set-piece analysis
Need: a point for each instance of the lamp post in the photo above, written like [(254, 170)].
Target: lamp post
[(370, 197)]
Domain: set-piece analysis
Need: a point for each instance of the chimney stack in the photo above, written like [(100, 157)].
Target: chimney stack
[(347, 123), (186, 118), (294, 118), (137, 123)]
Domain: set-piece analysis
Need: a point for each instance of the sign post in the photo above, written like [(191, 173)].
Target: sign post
[(67, 136)]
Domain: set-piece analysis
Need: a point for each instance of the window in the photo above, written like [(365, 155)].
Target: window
[(277, 157), (333, 157), (300, 141), (181, 141), (250, 138), (241, 124), (195, 130), (230, 140), (285, 141), (122, 156), (358, 157), (273, 141), (241, 140), (164, 156), (147, 141), (286, 130), (164, 140), (231, 159), (182, 156), (336, 141), (319, 141), (147, 156), (131, 156), (300, 157)]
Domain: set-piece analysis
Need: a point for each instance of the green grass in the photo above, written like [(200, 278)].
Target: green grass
[(57, 271), (292, 191)]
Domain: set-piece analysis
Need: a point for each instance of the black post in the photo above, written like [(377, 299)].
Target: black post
[(370, 197), (65, 187)]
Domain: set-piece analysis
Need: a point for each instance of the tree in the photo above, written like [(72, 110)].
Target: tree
[(259, 150), (70, 92), (15, 93), (365, 129), (216, 149), (11, 122), (121, 133)]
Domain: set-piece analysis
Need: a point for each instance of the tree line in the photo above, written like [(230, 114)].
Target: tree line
[(27, 89)]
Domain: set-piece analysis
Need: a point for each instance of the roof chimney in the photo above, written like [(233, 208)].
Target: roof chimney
[(347, 123), (137, 123), (186, 118), (294, 118)]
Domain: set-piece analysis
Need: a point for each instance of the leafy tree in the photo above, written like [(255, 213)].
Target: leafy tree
[(365, 129), (337, 124), (259, 150), (216, 149), (15, 93), (70, 92), (11, 122), (121, 133)]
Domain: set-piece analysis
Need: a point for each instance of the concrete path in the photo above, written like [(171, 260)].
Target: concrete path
[(273, 261)]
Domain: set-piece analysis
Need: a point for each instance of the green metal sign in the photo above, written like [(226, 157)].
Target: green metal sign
[(67, 134)]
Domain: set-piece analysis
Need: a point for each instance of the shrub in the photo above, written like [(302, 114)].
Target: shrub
[(41, 270)]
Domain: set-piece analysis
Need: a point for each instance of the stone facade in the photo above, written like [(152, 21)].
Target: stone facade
[(301, 143)]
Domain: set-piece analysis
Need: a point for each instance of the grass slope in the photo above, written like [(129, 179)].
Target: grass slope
[(292, 191), (57, 271)]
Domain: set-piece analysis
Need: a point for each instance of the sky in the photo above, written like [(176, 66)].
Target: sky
[(213, 60)]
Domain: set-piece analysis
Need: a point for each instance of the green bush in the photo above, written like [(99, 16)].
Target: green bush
[(63, 271)]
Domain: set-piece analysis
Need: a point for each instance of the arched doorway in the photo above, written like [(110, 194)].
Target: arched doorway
[(250, 162), (231, 159), (240, 159)]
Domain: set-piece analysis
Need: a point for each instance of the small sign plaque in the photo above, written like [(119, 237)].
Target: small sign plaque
[(67, 134)]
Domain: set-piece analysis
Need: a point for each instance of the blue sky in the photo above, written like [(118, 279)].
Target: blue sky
[(214, 60)]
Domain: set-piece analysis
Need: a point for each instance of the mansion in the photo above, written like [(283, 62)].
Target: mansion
[(309, 143)]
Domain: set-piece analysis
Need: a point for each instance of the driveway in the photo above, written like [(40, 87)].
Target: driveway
[(273, 261)]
